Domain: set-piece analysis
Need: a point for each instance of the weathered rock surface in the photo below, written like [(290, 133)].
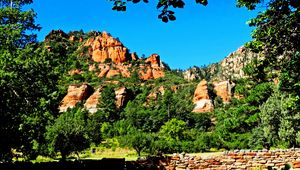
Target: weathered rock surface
[(105, 47), (238, 159), (79, 93), (190, 75), (122, 97), (201, 99), (76, 93), (223, 89), (92, 102), (232, 66), (154, 61)]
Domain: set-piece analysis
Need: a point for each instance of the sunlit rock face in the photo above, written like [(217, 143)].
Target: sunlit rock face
[(104, 47), (92, 102), (202, 101), (76, 93), (122, 97), (224, 90), (231, 67), (84, 92)]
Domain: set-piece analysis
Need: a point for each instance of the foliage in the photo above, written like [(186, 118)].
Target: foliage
[(27, 82), (68, 133), (163, 5), (138, 140), (279, 120), (173, 129)]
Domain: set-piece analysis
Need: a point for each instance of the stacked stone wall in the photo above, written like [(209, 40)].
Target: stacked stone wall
[(238, 159)]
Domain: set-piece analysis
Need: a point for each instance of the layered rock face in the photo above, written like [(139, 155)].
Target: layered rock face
[(91, 103), (105, 47), (154, 69), (223, 89), (122, 97), (85, 92), (76, 93), (190, 75), (202, 101)]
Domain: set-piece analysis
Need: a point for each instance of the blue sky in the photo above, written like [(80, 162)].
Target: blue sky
[(199, 36)]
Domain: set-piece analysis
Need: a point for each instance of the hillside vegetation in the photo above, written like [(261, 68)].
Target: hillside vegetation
[(76, 90)]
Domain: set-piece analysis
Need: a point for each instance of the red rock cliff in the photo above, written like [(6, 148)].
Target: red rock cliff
[(105, 47), (76, 93)]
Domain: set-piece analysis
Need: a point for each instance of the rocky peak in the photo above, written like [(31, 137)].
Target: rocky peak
[(104, 47), (191, 74), (56, 33), (154, 60), (231, 67)]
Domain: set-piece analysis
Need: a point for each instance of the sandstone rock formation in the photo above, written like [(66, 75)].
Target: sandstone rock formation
[(79, 93), (154, 61), (104, 47), (223, 89), (76, 93), (92, 102), (202, 101), (122, 97)]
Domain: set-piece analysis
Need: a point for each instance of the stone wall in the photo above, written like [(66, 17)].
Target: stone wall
[(238, 159)]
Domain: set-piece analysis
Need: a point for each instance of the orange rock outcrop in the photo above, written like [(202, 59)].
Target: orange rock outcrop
[(154, 60), (105, 47), (223, 89), (92, 102), (76, 93), (122, 97), (85, 92), (201, 99)]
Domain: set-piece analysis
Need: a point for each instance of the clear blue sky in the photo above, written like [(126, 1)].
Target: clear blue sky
[(199, 36)]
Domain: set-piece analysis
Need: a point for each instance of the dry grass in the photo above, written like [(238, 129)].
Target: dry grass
[(128, 154)]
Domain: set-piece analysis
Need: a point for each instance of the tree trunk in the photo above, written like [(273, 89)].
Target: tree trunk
[(63, 156)]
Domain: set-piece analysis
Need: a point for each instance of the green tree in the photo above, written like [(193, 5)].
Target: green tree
[(138, 140), (108, 111), (173, 129), (68, 133), (279, 120), (18, 97)]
